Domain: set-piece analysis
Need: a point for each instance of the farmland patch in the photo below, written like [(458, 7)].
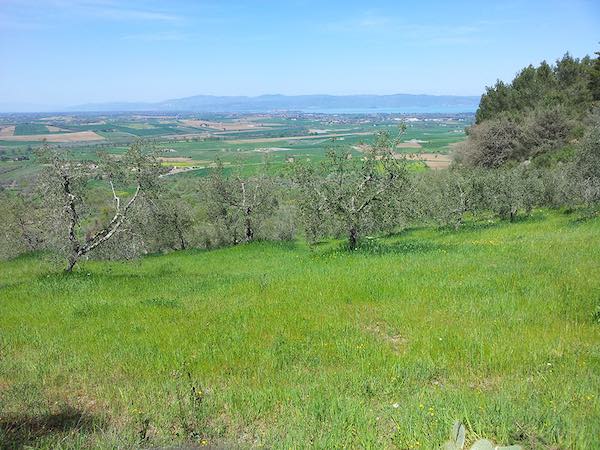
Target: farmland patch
[(28, 129), (80, 136), (298, 138), (7, 130)]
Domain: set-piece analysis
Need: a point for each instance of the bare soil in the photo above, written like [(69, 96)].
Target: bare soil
[(7, 131), (433, 160), (53, 129), (79, 136), (223, 126)]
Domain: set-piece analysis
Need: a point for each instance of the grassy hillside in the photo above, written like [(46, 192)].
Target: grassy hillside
[(284, 346)]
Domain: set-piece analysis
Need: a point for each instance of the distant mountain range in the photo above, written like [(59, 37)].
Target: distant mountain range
[(306, 103), (397, 103)]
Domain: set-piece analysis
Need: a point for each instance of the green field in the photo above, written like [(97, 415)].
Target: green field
[(175, 137), (286, 346), (23, 129)]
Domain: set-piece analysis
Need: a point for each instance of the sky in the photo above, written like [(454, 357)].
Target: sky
[(69, 52)]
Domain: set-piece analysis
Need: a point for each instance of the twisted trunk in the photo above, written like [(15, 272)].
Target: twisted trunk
[(353, 238), (248, 224), (78, 250)]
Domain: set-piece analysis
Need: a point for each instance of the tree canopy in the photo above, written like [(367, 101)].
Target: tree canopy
[(572, 83)]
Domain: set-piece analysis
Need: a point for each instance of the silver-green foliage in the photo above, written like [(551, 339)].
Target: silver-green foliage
[(79, 226), (357, 196), (238, 205)]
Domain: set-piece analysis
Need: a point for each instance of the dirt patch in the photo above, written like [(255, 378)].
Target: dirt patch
[(362, 147), (409, 144), (486, 384), (238, 125), (79, 136), (272, 149), (325, 131), (223, 126), (7, 131), (382, 332), (183, 137), (178, 169), (53, 129), (432, 160)]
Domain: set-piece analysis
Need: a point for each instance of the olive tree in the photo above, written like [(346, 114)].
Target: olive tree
[(164, 219), (587, 162), (238, 204), (510, 190), (359, 195), (490, 143), (313, 204), (22, 220), (65, 183), (445, 196)]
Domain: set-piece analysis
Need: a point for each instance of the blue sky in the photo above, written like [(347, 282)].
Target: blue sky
[(65, 52)]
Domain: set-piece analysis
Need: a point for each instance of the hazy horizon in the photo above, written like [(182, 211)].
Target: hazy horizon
[(124, 106), (61, 53)]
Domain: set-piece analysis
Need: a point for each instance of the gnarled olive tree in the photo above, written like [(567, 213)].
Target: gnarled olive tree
[(64, 182)]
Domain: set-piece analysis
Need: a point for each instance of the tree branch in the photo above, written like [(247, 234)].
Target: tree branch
[(116, 222)]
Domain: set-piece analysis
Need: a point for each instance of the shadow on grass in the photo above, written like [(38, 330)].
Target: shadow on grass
[(402, 247), (378, 247), (470, 226), (20, 431), (583, 217)]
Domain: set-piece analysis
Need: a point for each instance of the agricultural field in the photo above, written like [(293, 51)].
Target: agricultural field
[(194, 143), (281, 345), (24, 129)]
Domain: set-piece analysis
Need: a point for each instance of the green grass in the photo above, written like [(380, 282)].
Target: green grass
[(284, 346), (24, 171), (23, 129)]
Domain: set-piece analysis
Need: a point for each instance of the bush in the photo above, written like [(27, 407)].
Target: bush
[(490, 144), (543, 130), (587, 162)]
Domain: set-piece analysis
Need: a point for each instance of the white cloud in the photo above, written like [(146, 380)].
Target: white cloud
[(161, 36), (371, 25), (133, 14), (89, 9)]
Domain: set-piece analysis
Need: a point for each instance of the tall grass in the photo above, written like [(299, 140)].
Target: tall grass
[(286, 346)]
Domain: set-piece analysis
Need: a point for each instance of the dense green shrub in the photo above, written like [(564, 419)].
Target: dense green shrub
[(567, 83), (587, 162), (540, 111)]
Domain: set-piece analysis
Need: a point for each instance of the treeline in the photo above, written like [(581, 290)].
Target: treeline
[(539, 116), (123, 207)]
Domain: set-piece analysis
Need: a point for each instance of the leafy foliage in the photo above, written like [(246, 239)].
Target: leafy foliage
[(63, 186), (540, 111), (569, 83), (358, 196), (238, 204)]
